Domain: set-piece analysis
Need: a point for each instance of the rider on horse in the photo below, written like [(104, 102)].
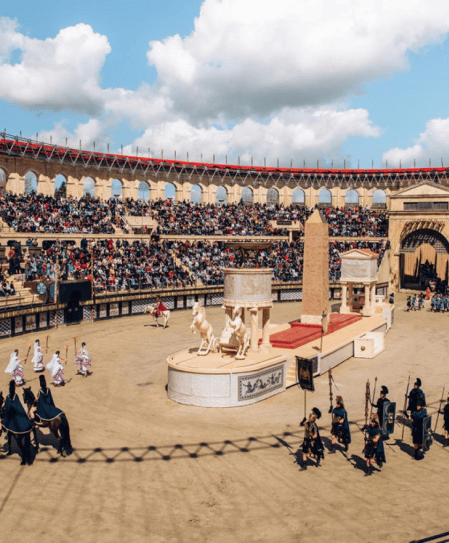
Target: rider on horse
[(45, 409), (16, 422), (159, 308)]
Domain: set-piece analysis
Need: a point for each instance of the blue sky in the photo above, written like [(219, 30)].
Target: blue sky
[(355, 82)]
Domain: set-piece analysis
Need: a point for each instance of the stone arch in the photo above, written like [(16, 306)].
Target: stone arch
[(272, 196), (117, 189), (299, 196), (325, 197), (352, 197), (143, 191), (60, 186), (89, 187), (425, 236), (30, 182), (379, 197), (221, 195), (247, 195), (169, 191), (196, 194)]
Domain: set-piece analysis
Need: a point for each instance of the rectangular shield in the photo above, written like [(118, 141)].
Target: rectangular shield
[(305, 373), (427, 439), (389, 417)]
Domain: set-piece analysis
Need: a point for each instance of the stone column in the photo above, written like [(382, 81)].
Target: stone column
[(367, 306), (254, 342), (351, 297), (373, 297), (266, 327), (344, 292)]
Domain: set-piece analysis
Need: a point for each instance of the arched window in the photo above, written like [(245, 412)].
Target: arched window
[(325, 197), (143, 191), (195, 194), (299, 197), (2, 182), (89, 187), (272, 196), (221, 196), (352, 197), (60, 186), (379, 197), (30, 182), (170, 191), (247, 195), (116, 189)]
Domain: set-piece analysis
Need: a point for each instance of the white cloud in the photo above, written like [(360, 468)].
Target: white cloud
[(294, 134), (90, 132), (431, 144), (255, 57), (60, 73)]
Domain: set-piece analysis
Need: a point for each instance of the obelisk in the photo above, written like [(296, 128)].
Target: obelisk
[(315, 280)]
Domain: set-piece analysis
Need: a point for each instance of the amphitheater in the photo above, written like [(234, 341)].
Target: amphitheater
[(147, 469)]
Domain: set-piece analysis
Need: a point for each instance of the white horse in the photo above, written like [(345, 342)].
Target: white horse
[(242, 333), (204, 328), (164, 314)]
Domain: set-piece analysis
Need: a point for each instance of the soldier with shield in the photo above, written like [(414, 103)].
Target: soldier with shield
[(340, 425), (380, 404), (445, 413), (312, 446), (416, 394), (419, 417), (374, 447)]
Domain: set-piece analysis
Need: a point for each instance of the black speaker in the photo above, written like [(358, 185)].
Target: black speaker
[(75, 290)]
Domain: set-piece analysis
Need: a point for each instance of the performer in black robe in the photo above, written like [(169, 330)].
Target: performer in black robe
[(45, 406), (415, 394), (16, 421), (340, 426), (379, 405), (312, 446), (418, 417), (374, 447)]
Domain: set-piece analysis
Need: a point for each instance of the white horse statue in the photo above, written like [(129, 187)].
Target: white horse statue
[(156, 314), (204, 328), (242, 333)]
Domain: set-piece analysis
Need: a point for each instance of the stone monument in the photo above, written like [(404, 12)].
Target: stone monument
[(315, 281), (359, 266)]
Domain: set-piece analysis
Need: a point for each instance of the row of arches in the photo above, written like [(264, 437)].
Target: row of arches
[(324, 196)]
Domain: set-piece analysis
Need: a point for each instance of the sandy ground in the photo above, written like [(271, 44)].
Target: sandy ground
[(147, 469)]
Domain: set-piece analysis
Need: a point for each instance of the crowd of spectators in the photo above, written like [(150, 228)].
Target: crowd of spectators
[(38, 213)]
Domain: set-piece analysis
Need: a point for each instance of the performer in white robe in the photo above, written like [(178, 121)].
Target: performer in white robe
[(15, 368), (56, 370), (38, 357), (83, 361)]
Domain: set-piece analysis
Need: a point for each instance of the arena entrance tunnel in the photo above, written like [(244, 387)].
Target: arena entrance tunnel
[(424, 260)]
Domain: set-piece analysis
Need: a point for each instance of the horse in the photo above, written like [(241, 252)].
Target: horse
[(59, 426), (153, 310), (23, 440), (204, 328), (242, 333)]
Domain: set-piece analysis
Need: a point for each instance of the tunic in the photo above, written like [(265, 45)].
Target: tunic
[(341, 429), (375, 449), (415, 393), (14, 417), (311, 445), (45, 406), (380, 409)]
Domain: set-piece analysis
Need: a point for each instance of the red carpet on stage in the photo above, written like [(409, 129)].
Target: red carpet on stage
[(300, 334)]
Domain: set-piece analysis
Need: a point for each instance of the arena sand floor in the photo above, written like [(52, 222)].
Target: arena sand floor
[(147, 469)]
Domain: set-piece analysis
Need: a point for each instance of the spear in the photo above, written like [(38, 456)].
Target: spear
[(28, 352), (367, 399), (439, 408), (374, 395), (331, 408), (66, 350), (46, 344), (405, 405), (74, 343)]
